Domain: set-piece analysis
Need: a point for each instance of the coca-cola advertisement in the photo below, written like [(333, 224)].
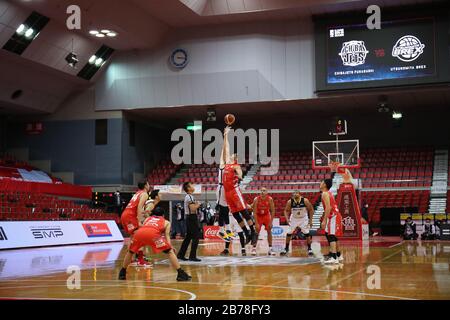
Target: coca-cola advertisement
[(211, 232)]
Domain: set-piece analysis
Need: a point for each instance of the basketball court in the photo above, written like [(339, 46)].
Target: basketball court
[(409, 270), (132, 130)]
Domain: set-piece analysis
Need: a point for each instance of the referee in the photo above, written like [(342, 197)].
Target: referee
[(193, 226)]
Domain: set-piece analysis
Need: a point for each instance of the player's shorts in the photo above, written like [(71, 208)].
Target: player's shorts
[(235, 200), (334, 225), (129, 221), (220, 196), (301, 223), (147, 236), (264, 220)]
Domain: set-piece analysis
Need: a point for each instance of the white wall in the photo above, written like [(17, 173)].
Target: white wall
[(230, 63)]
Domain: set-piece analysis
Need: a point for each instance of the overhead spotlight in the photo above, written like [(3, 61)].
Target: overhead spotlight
[(98, 62), (397, 115), (29, 33), (72, 59), (21, 29), (92, 59), (103, 33)]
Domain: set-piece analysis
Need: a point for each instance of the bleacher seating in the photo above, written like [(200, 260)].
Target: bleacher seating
[(394, 199), (204, 174), (294, 172), (162, 173), (395, 167), (34, 206)]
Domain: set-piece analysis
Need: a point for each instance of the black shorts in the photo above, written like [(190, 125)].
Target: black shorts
[(224, 215)]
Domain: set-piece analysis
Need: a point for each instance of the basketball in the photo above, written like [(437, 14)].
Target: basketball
[(230, 119)]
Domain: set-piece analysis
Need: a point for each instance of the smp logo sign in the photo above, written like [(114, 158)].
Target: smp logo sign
[(46, 232), (3, 234)]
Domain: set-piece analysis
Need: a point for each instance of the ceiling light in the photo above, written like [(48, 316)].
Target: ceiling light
[(29, 33), (92, 59), (111, 34), (397, 115), (105, 31), (98, 62), (100, 35), (21, 29), (93, 32)]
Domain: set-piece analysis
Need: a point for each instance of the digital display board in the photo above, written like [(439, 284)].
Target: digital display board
[(404, 51), (400, 49)]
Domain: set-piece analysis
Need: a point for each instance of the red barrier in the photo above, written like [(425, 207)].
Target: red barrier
[(61, 189)]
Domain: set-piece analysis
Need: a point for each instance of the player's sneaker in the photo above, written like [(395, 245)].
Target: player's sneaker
[(331, 260), (341, 258), (230, 233), (183, 276), (225, 237), (244, 253), (253, 251), (284, 252), (144, 264), (123, 274), (225, 252), (310, 253), (271, 252)]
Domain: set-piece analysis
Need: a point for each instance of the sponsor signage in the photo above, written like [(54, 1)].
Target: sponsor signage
[(97, 230), (23, 234), (211, 232), (349, 209), (176, 189)]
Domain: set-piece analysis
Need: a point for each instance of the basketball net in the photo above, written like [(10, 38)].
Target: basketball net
[(334, 166)]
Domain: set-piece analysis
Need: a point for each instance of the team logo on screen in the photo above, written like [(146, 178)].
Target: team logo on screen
[(407, 48), (353, 53)]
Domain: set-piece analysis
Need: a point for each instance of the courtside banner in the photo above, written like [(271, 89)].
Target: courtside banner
[(26, 234)]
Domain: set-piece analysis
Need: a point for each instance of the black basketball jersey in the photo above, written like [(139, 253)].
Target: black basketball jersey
[(299, 209)]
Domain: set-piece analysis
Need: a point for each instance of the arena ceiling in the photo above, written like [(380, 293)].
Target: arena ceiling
[(273, 113), (140, 24)]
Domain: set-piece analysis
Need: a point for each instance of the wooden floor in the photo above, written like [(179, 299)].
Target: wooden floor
[(407, 270)]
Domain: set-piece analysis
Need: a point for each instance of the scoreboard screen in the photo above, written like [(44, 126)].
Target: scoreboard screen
[(404, 51)]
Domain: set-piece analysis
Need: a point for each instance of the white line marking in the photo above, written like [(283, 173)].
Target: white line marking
[(124, 285)]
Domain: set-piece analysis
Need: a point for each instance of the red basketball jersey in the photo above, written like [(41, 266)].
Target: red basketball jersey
[(155, 222), (263, 207), (334, 208), (229, 178), (134, 202)]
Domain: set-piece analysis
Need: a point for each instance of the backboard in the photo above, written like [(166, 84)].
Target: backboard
[(346, 152)]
